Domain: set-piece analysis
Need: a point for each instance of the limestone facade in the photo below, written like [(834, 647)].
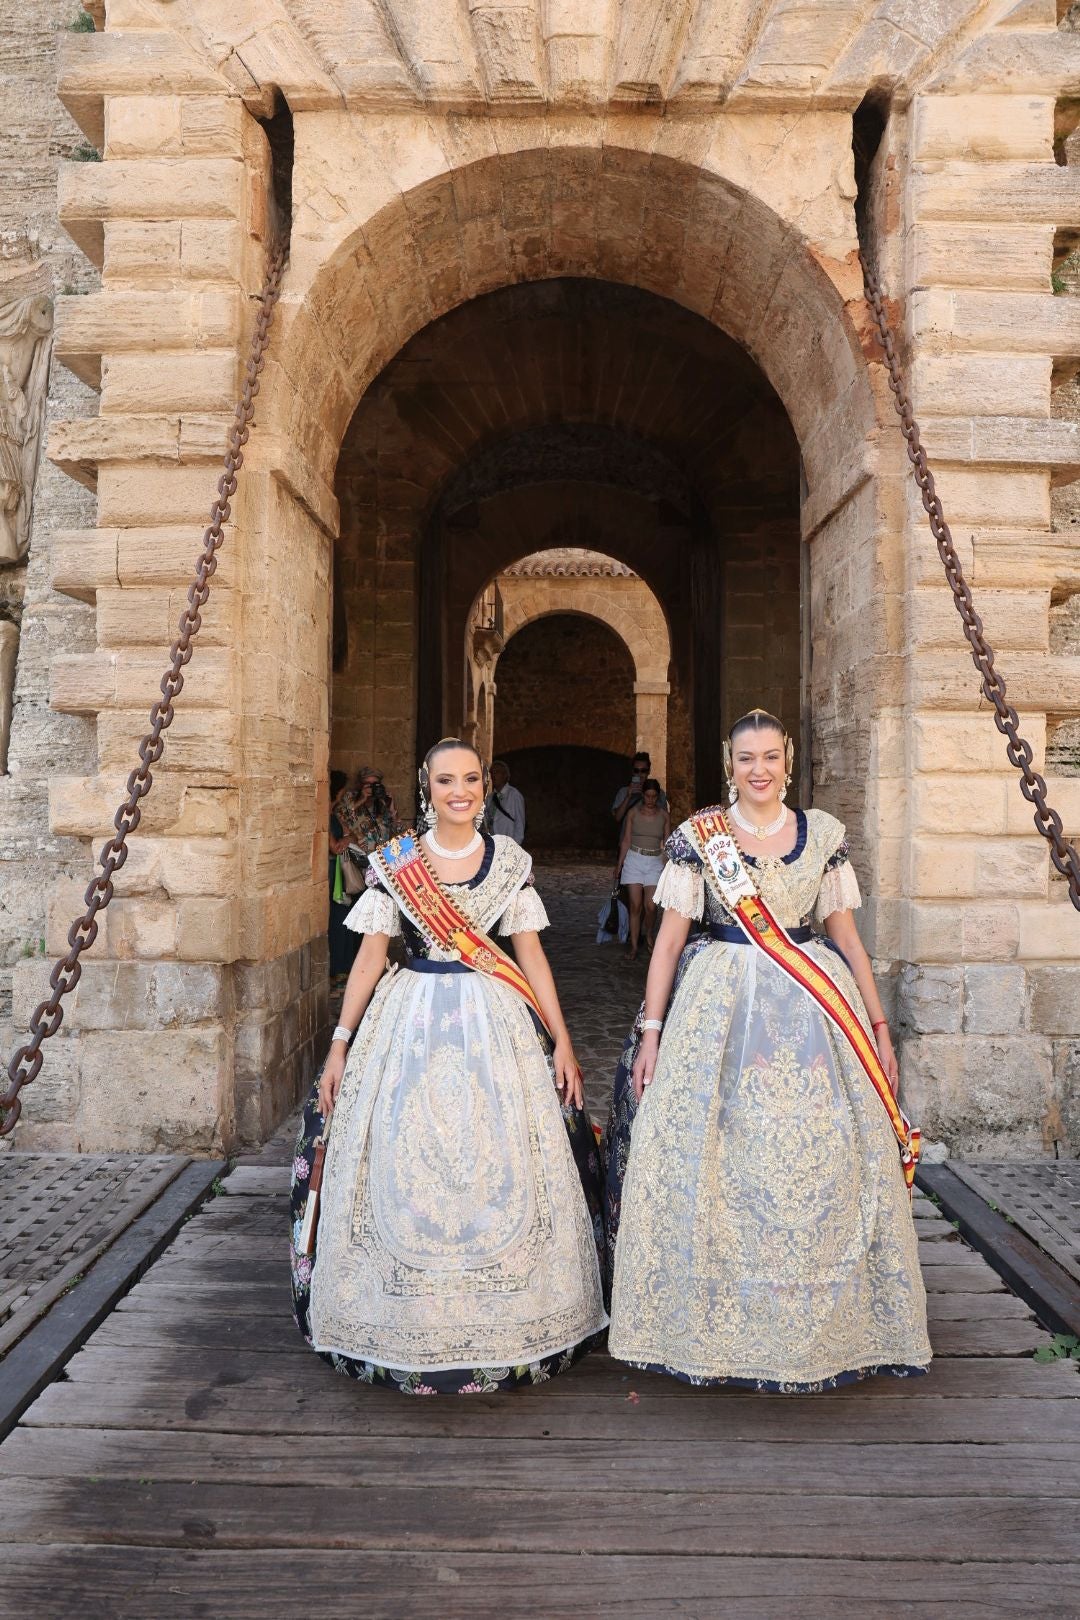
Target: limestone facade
[(447, 161)]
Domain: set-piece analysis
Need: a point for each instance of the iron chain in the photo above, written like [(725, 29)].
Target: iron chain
[(26, 1063), (1018, 749)]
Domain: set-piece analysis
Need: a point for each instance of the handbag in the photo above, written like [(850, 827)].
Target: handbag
[(353, 870), (613, 920)]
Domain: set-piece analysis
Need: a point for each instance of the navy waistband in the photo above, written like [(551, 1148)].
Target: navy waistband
[(732, 934), (424, 964)]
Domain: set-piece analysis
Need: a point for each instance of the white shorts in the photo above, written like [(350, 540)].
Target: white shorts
[(643, 869)]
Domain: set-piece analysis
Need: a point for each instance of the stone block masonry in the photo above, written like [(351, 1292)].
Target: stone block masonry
[(433, 166)]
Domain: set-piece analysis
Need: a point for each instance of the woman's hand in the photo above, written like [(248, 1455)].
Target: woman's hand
[(567, 1073), (331, 1078), (888, 1058), (645, 1062)]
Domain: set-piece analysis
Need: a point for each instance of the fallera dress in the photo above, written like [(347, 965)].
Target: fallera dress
[(460, 1232), (759, 1229)]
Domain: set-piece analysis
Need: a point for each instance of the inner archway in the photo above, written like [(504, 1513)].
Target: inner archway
[(569, 414), (564, 721)]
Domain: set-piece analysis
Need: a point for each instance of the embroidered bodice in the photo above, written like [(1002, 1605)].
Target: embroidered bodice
[(814, 880), (500, 897)]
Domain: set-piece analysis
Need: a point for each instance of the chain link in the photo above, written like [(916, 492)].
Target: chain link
[(26, 1063), (1018, 749)]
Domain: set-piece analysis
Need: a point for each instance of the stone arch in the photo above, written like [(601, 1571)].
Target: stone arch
[(708, 232), (644, 633)]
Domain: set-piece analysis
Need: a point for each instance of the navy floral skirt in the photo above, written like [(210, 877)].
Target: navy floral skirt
[(455, 1380)]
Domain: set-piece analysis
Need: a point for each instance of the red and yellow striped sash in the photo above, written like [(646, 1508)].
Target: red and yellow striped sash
[(402, 866), (736, 888)]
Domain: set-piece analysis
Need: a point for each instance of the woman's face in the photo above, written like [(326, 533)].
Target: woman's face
[(456, 786), (757, 766), (650, 798), (367, 788)]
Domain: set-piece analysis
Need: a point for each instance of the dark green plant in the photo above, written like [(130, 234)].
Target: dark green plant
[(85, 153), (83, 23), (1062, 1347)]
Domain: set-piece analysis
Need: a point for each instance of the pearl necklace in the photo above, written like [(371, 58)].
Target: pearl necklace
[(760, 832), (475, 843)]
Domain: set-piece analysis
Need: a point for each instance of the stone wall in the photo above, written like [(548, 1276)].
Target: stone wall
[(565, 678), (37, 135), (435, 169)]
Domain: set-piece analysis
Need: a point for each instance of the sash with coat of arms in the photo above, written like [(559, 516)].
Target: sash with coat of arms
[(404, 870), (731, 880)]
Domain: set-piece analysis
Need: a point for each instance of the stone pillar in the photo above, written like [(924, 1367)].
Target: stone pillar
[(205, 984), (985, 934), (651, 703)]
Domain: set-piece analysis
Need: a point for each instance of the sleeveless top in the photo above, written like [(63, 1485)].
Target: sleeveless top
[(647, 831)]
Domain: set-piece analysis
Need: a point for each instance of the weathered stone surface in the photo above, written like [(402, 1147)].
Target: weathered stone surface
[(1055, 999), (930, 1000), (995, 1000)]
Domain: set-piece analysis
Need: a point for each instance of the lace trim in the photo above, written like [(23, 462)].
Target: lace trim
[(682, 889), (375, 913), (525, 914), (839, 891)]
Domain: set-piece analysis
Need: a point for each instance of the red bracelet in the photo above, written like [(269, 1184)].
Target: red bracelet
[(882, 1023)]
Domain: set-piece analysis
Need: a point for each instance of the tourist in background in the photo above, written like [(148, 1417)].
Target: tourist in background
[(646, 827), (367, 811), (342, 943), (505, 804), (630, 795)]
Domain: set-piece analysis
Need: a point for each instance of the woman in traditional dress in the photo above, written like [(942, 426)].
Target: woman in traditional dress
[(758, 1219), (641, 861), (457, 1250)]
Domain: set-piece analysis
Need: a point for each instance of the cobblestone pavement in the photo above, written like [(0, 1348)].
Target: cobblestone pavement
[(599, 989)]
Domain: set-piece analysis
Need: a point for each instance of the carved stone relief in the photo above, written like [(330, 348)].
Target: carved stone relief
[(25, 328), (26, 318)]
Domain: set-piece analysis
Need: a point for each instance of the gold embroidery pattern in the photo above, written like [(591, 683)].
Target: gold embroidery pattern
[(765, 1229)]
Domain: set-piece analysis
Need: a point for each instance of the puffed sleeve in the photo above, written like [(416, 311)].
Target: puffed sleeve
[(375, 911), (682, 882), (839, 886), (526, 913)]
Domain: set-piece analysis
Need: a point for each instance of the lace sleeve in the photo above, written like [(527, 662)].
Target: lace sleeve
[(374, 913), (525, 914), (682, 882), (839, 889)]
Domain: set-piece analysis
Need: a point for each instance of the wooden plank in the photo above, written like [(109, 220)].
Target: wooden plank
[(981, 1338), (42, 1582), (992, 1307), (423, 1515), (224, 1328), (1050, 1291), (723, 1466), (315, 1401), (197, 1371), (258, 1181), (272, 1298), (960, 1279), (192, 1263), (30, 1365)]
